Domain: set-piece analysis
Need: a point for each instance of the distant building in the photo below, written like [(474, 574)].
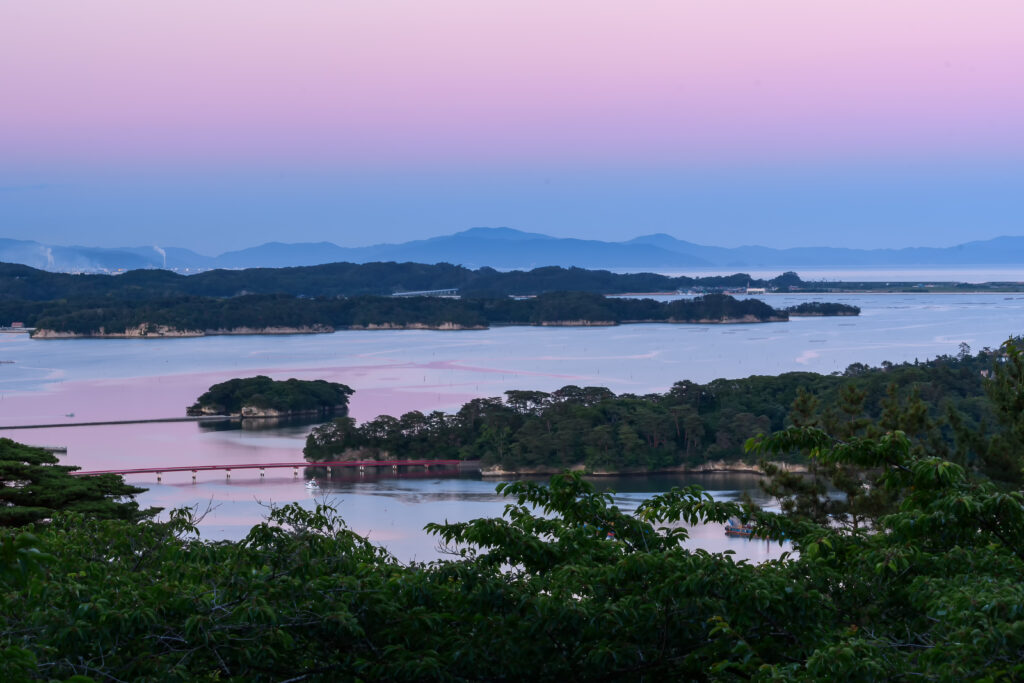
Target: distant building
[(17, 326), (756, 290), (444, 293)]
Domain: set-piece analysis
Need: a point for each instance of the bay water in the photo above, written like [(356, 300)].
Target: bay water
[(393, 371)]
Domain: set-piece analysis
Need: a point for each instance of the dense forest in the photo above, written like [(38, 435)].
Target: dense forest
[(19, 282), (689, 425), (915, 572), (242, 396), (813, 308), (34, 486), (256, 312)]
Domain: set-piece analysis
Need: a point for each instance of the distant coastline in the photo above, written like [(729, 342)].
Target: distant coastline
[(282, 314), (166, 332), (147, 331)]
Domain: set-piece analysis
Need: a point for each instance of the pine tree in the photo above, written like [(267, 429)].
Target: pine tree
[(33, 486)]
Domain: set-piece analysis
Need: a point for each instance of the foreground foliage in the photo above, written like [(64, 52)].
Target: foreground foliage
[(564, 586), (935, 591), (34, 487)]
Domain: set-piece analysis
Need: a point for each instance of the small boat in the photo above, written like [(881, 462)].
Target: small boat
[(69, 414), (312, 485), (735, 528)]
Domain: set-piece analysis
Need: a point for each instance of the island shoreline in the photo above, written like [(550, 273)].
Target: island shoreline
[(170, 333)]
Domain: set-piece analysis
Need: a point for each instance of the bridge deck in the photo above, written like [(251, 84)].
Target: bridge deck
[(270, 465)]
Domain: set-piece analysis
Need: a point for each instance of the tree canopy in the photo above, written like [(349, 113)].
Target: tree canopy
[(928, 584), (205, 315), (34, 487), (565, 586), (241, 395), (689, 425), (352, 279)]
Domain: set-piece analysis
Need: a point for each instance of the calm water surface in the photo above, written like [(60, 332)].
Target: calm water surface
[(392, 510), (69, 381)]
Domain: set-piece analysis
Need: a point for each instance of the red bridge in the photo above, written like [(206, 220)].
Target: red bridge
[(361, 464)]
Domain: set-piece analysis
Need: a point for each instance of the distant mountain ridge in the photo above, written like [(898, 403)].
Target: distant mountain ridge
[(507, 248)]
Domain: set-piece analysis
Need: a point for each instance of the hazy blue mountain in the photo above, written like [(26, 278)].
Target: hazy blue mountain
[(508, 234), (506, 248), (172, 257), (279, 255), (474, 248), (93, 259), (998, 251)]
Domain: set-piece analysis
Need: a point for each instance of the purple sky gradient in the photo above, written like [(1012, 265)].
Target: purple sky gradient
[(220, 125)]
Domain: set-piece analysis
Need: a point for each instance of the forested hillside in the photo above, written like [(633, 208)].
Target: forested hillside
[(350, 279), (687, 426), (256, 312)]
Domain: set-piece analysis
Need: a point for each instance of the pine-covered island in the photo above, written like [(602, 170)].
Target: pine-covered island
[(283, 314), (262, 396), (690, 427), (343, 296)]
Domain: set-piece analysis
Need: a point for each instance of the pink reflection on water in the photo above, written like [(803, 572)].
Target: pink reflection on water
[(386, 388), (384, 508)]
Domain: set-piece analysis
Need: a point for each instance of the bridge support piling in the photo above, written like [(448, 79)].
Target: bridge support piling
[(295, 467)]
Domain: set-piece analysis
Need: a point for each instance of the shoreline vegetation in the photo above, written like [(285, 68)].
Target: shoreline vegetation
[(283, 314), (340, 296), (261, 397), (709, 467), (903, 555), (24, 284), (691, 427)]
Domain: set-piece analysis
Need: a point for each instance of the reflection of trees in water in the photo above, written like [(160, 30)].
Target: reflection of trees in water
[(259, 424), (631, 490), (351, 475)]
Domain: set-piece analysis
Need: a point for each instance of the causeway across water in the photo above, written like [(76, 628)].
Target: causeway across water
[(201, 418), (361, 464)]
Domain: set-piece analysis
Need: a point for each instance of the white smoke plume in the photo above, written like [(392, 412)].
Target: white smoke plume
[(50, 263), (162, 253)]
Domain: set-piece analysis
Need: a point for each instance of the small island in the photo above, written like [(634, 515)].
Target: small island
[(821, 308), (263, 397)]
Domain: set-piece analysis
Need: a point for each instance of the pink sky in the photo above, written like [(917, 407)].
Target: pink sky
[(357, 82)]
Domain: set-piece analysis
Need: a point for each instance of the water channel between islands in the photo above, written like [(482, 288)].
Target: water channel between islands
[(397, 371)]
